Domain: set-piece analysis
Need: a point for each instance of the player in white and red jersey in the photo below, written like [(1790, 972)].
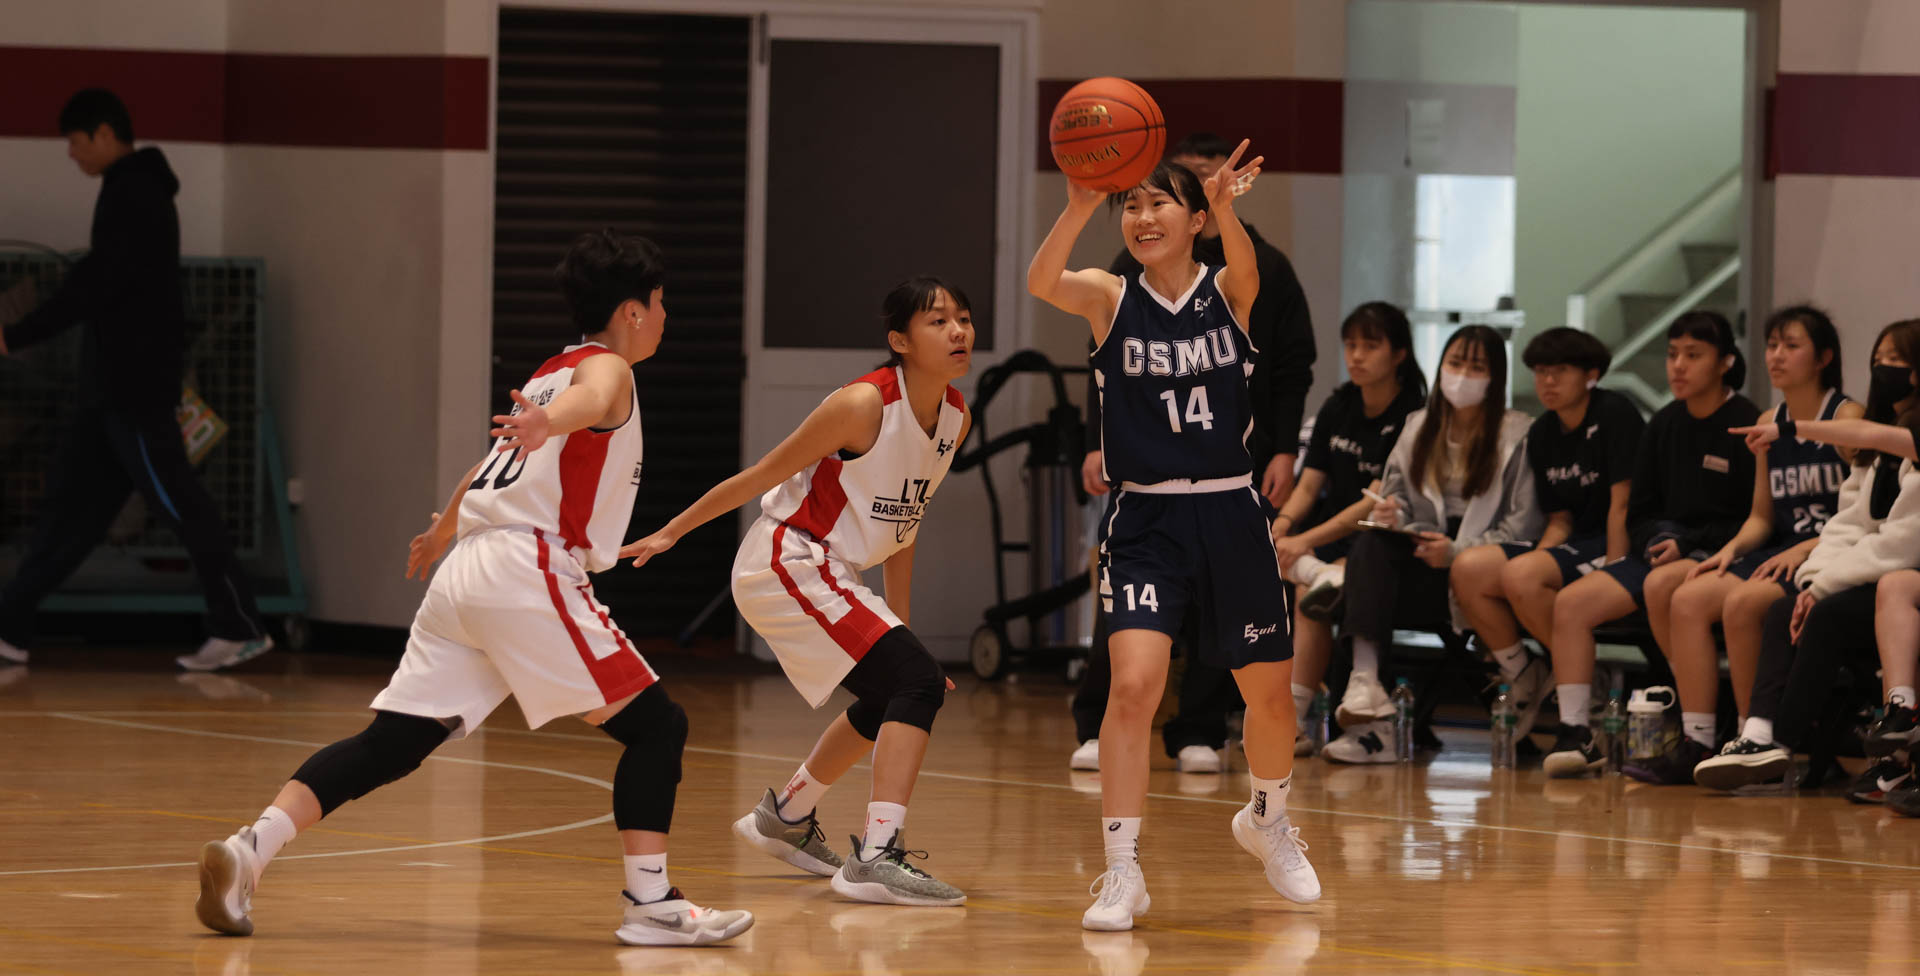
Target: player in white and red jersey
[(843, 493), (511, 612)]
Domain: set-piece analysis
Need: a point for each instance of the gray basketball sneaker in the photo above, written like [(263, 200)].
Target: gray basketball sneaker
[(889, 880), (799, 844)]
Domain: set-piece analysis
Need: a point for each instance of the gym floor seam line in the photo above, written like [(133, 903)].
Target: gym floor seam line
[(989, 905), (1389, 818)]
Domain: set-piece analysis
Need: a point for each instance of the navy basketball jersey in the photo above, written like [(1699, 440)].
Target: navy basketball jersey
[(1804, 477), (1172, 376)]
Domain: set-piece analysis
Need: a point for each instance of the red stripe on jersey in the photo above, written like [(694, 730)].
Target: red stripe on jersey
[(581, 461), (864, 625), (569, 359), (851, 632), (619, 636), (887, 380), (617, 675), (954, 399), (824, 502)]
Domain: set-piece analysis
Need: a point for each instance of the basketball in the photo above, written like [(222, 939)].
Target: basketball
[(1107, 134)]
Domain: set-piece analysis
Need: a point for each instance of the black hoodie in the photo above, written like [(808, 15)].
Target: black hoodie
[(126, 288)]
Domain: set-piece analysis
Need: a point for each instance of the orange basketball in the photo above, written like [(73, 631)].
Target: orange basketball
[(1107, 134)]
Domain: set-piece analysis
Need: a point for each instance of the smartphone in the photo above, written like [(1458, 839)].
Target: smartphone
[(1403, 530)]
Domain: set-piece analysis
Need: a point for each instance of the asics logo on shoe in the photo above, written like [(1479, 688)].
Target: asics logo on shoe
[(1255, 633)]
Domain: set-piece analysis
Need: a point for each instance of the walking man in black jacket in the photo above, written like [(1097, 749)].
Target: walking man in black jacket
[(124, 437)]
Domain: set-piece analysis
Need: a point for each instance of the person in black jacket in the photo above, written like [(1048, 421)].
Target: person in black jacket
[(124, 437), (1282, 331)]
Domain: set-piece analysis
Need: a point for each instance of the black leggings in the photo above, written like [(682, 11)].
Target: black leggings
[(1795, 679), (1387, 586)]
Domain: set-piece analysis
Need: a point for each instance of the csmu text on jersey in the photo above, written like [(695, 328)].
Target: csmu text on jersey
[(1179, 357)]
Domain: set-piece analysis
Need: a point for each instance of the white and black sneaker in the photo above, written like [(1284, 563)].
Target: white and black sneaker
[(1879, 779), (1326, 597), (1744, 762), (228, 872), (1896, 731), (1530, 689), (1574, 753), (675, 921), (1368, 742)]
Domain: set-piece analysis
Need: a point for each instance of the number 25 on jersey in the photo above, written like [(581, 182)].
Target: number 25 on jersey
[(1198, 412)]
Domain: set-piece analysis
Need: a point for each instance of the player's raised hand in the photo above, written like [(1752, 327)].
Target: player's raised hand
[(1082, 197), (427, 547), (649, 547), (526, 427), (1232, 178), (1758, 436)]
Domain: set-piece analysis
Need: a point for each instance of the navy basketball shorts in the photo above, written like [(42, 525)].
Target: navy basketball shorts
[(1166, 556), (1745, 566), (1574, 557)]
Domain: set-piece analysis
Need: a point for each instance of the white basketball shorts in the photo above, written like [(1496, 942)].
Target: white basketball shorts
[(809, 605), (511, 613)]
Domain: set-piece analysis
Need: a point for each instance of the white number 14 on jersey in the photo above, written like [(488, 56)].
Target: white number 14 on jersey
[(1198, 412)]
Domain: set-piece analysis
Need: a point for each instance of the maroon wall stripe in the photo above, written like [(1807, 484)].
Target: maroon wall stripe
[(361, 102), (1846, 125), (1294, 122)]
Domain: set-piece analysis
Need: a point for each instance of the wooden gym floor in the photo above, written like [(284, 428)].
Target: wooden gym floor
[(498, 857)]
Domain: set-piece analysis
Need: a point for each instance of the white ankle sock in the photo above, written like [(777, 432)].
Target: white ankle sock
[(1902, 692), (1302, 704), (1305, 569), (801, 795), (646, 876), (1758, 730), (1574, 700), (1698, 727), (883, 821), (271, 832), (1366, 656), (1122, 839), (1512, 660), (1269, 799)]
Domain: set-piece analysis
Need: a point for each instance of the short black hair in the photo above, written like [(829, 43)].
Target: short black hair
[(91, 108), (1172, 179), (913, 296), (1709, 326), (603, 269), (1563, 346), (1206, 145), (1820, 331)]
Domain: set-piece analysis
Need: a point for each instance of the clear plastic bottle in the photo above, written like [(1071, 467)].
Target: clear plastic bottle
[(1613, 732), (1506, 720), (1317, 721), (1403, 720)]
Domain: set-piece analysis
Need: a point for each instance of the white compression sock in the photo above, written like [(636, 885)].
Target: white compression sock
[(1698, 726), (1902, 693), (1122, 839), (1269, 799), (1574, 700), (646, 876), (883, 821), (1366, 656), (1305, 569), (1758, 730), (801, 795), (271, 832), (1302, 704), (1512, 660)]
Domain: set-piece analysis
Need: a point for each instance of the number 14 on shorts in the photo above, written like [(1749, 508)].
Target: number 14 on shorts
[(1147, 597)]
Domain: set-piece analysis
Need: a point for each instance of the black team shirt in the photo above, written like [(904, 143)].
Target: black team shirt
[(1351, 448), (1575, 470), (1692, 480)]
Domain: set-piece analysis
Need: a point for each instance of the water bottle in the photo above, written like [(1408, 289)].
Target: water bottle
[(1506, 721), (1613, 733), (1403, 719), (1317, 721), (1647, 721)]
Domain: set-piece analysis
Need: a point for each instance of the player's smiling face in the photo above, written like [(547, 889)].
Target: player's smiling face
[(939, 339), (1157, 227)]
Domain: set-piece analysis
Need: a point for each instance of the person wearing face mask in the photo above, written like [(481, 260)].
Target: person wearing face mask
[(1692, 485), (1829, 621), (1457, 478), (1796, 489), (1582, 453)]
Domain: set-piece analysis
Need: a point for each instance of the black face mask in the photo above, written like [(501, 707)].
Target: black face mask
[(1891, 384)]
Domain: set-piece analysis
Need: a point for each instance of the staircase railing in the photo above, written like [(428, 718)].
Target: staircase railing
[(1598, 303)]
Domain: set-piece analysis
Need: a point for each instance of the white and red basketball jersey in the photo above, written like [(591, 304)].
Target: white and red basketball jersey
[(866, 508), (577, 488)]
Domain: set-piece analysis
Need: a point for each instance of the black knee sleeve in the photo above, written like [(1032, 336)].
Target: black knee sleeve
[(896, 681), (391, 746), (653, 727)]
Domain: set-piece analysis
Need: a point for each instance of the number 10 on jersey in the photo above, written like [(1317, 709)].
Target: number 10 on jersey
[(1198, 412)]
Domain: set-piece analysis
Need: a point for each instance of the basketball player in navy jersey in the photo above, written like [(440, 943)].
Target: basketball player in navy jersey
[(845, 492), (1186, 533)]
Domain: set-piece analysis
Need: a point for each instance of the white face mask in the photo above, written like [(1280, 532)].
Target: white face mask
[(1462, 390)]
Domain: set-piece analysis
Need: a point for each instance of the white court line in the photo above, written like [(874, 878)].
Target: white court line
[(1459, 824), (603, 784)]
